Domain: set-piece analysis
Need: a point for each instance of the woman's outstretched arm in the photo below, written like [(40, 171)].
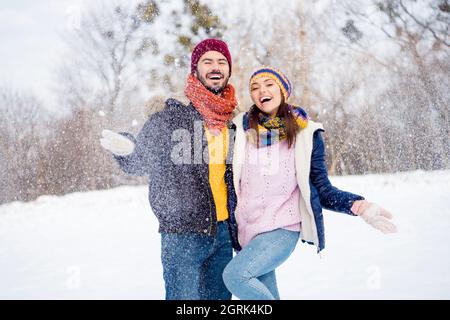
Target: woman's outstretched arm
[(331, 198)]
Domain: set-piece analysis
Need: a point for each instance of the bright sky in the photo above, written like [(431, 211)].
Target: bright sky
[(30, 33)]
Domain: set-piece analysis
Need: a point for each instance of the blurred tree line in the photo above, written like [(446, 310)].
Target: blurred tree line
[(376, 73)]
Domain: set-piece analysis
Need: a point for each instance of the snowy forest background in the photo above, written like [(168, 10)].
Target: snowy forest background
[(376, 73)]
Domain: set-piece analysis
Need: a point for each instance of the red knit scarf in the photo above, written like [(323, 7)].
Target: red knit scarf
[(216, 110)]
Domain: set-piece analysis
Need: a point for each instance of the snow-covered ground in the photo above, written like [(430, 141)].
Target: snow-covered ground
[(105, 245)]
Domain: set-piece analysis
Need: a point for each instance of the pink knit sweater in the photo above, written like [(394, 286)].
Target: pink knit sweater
[(269, 194)]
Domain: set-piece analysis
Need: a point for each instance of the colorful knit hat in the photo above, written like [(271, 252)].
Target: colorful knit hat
[(206, 45), (275, 74)]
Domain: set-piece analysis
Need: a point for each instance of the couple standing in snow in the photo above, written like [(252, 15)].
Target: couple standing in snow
[(256, 182)]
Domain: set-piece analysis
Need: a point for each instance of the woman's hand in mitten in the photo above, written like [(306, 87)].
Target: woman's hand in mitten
[(374, 215)]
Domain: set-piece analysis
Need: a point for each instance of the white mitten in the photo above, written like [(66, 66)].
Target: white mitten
[(116, 143), (375, 216)]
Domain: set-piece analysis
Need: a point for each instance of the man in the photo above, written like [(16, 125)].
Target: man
[(190, 182)]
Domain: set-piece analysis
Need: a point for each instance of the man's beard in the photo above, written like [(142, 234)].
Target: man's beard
[(216, 91)]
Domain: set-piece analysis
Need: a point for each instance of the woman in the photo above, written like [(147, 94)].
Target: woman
[(282, 185)]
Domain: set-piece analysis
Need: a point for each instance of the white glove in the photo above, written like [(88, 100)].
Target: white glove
[(374, 215), (116, 143)]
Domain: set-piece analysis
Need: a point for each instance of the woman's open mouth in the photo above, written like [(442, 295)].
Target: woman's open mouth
[(265, 99)]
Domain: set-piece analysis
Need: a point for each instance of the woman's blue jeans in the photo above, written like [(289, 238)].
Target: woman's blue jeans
[(251, 273)]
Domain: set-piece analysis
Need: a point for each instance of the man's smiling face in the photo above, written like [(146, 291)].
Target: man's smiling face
[(213, 71)]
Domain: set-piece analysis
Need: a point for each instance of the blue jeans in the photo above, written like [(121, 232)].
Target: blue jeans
[(193, 264), (251, 273)]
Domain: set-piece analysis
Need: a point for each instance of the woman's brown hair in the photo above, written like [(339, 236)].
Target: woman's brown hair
[(284, 112)]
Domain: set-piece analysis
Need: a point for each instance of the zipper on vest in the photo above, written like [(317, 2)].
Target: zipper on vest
[(210, 213), (210, 194)]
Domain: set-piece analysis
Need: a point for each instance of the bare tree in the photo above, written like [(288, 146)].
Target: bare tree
[(22, 142), (420, 67), (101, 72)]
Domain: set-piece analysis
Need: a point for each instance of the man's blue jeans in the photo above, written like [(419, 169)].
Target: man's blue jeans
[(251, 273), (193, 264)]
